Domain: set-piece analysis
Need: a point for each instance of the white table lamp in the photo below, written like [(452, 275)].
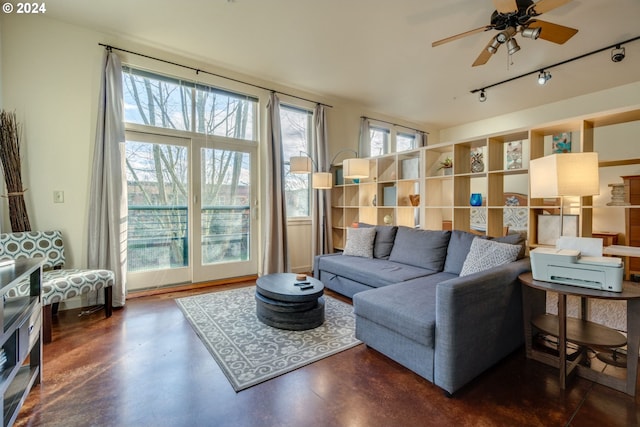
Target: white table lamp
[(564, 174)]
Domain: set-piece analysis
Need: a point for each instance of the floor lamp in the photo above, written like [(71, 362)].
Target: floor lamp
[(564, 174), (354, 168)]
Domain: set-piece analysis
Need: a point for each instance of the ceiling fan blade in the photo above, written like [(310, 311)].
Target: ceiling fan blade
[(553, 32), (461, 35), (544, 6), (485, 55), (505, 6)]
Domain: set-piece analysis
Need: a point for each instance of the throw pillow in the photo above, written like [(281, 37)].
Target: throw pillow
[(383, 243), (485, 254), (360, 242), (420, 248), (459, 246), (514, 239)]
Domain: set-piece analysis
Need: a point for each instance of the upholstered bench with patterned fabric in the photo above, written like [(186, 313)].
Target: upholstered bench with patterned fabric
[(58, 284)]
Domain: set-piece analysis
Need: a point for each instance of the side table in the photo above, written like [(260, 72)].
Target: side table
[(581, 331)]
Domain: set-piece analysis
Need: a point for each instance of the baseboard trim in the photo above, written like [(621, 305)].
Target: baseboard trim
[(189, 286)]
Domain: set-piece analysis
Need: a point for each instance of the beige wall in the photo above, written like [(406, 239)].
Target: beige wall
[(49, 76)]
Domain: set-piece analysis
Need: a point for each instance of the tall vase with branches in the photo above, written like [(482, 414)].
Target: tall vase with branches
[(10, 156)]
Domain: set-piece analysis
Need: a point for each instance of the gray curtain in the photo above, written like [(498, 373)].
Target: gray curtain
[(364, 145), (321, 238), (107, 222), (276, 258)]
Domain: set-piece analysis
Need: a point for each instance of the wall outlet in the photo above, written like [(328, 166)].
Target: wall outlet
[(58, 196)]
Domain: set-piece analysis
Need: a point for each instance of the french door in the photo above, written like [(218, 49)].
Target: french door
[(224, 207), (190, 210)]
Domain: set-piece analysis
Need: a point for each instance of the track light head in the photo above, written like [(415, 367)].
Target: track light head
[(543, 77), (617, 54), (531, 33), (482, 96)]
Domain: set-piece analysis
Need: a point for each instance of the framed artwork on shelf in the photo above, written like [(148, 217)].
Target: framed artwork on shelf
[(561, 143), (477, 161), (514, 155), (410, 168), (549, 228)]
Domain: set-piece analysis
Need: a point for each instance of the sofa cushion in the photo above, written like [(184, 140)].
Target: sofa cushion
[(408, 309), (360, 242), (370, 271), (514, 239), (459, 245), (383, 243), (420, 248), (485, 254)]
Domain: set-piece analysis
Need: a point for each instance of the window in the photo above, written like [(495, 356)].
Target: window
[(166, 102), (296, 125), (157, 194), (190, 167), (385, 139), (405, 141), (379, 140)]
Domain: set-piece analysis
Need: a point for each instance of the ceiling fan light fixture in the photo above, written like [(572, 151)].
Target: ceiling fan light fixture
[(482, 96), (512, 46), (493, 47), (531, 33), (543, 77)]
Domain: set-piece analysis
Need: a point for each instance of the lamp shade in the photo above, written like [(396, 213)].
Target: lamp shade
[(300, 164), (565, 174), (355, 168), (321, 180)]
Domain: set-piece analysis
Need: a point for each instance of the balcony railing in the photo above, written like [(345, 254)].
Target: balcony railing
[(158, 236)]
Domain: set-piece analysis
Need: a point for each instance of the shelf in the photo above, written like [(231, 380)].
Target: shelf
[(21, 336), (444, 199), (581, 332), (16, 394)]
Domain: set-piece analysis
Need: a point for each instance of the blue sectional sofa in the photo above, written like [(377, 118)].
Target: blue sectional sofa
[(430, 300)]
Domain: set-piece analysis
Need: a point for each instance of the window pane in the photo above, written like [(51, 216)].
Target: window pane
[(222, 114), (379, 141), (164, 103), (296, 136), (296, 193), (157, 191), (405, 141), (226, 194)]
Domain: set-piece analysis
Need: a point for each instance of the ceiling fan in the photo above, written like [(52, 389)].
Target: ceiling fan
[(517, 16)]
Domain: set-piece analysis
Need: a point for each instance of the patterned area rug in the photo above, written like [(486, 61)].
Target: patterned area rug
[(250, 352)]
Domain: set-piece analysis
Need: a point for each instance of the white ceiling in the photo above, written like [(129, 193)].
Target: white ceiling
[(377, 53)]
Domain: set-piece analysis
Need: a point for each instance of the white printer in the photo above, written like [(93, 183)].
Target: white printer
[(568, 267)]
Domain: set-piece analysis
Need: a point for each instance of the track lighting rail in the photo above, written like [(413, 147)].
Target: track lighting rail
[(617, 46)]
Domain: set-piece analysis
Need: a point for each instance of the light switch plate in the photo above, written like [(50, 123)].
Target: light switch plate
[(58, 196)]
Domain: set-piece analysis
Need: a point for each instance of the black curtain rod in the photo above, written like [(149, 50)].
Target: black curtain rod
[(557, 64), (395, 124), (198, 70)]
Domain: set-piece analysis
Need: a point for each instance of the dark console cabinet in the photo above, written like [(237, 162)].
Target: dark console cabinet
[(21, 330)]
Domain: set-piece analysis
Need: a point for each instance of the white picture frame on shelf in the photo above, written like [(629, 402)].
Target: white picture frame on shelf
[(410, 168), (549, 228), (513, 154)]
